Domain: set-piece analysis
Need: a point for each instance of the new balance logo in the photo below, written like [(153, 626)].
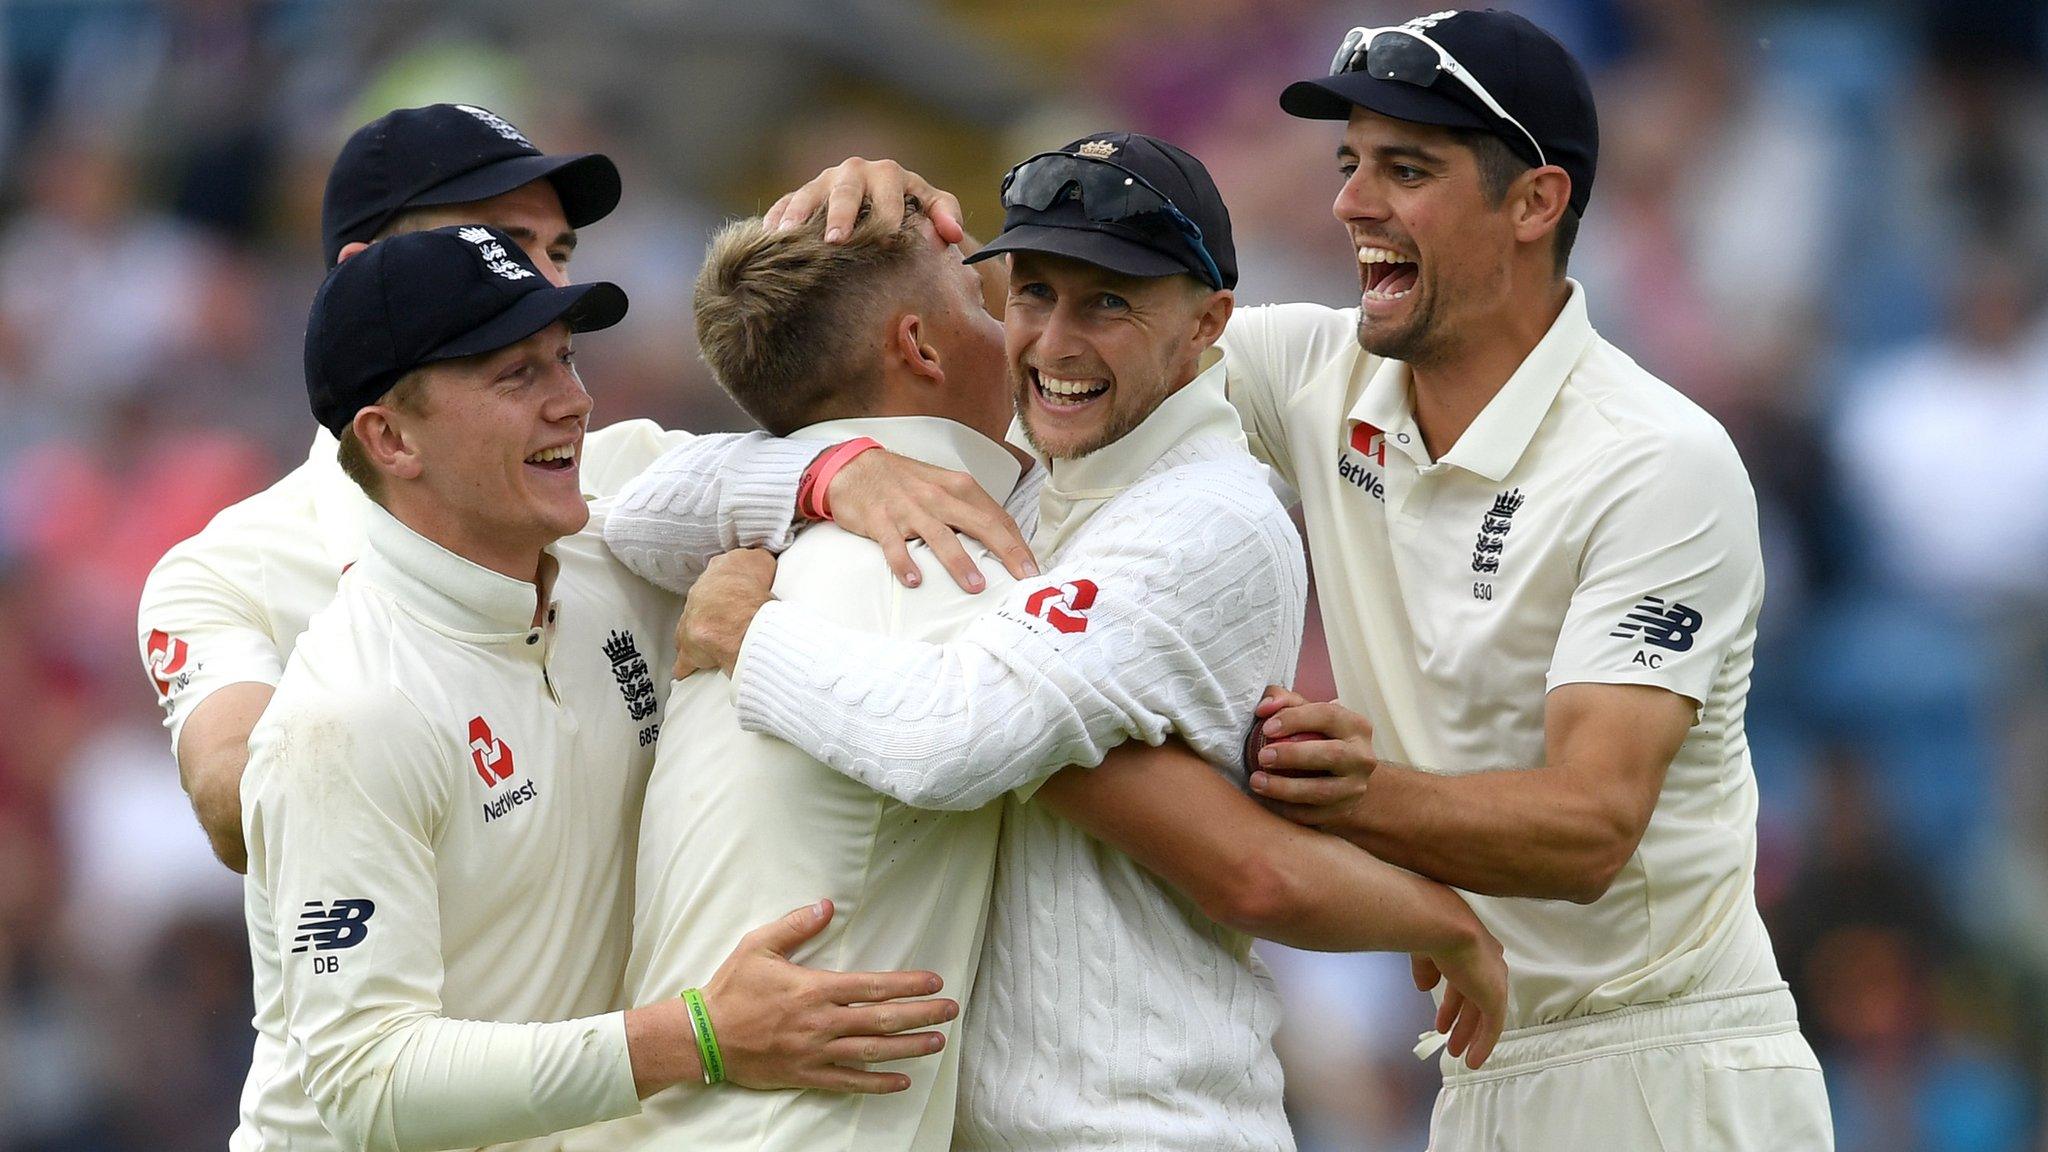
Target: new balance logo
[(326, 927), (1064, 606), (1671, 625)]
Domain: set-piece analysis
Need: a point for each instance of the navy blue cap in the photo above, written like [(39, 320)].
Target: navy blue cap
[(1148, 244), (1534, 78), (424, 297), (449, 154)]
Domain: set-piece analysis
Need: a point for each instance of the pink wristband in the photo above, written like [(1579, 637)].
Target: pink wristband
[(810, 491)]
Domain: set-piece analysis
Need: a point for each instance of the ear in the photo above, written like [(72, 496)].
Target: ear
[(349, 249), (1544, 198), (908, 340), (391, 451), (1213, 318)]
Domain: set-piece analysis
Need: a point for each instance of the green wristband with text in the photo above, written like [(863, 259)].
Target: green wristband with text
[(707, 1041)]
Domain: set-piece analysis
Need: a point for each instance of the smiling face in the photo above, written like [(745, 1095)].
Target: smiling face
[(1093, 352), (1435, 253), (490, 470)]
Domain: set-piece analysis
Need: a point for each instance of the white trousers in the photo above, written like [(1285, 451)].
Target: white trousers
[(1725, 1072)]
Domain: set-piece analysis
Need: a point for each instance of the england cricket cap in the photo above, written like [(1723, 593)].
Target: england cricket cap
[(449, 154), (1091, 199), (1525, 69), (423, 297)]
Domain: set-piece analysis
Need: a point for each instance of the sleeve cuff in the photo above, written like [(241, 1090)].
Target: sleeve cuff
[(761, 491)]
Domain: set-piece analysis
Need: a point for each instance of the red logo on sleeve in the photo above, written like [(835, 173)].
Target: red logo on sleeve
[(1064, 606), (167, 655), (492, 756), (1369, 442)]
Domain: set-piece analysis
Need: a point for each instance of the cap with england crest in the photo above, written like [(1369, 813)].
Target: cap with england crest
[(449, 154), (423, 297)]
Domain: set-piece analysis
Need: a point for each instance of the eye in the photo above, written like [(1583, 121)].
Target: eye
[(1112, 301), (562, 256), (1407, 173), (1033, 290), (1347, 168)]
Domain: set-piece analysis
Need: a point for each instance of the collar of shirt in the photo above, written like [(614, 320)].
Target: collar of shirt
[(1197, 408), (933, 440), (1497, 438), (1074, 489), (454, 595)]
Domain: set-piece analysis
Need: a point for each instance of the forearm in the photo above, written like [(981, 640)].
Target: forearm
[(464, 1083), (948, 726), (213, 751), (1538, 832), (1325, 895), (710, 495)]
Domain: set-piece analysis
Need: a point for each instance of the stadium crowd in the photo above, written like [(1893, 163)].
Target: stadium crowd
[(1828, 223)]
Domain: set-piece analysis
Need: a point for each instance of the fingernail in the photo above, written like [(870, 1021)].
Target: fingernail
[(911, 579), (1030, 567), (935, 1043), (786, 224), (1258, 781), (1268, 757), (819, 909), (1273, 727), (975, 583), (832, 235)]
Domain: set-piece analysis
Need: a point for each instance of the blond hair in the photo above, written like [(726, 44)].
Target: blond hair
[(785, 321), (408, 395)]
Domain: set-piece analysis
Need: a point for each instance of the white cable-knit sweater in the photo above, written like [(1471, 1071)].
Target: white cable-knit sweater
[(1109, 1013)]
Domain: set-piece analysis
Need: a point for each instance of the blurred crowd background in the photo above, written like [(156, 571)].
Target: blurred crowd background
[(1827, 223)]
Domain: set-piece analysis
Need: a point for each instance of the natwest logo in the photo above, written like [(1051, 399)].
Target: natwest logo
[(492, 756), (1369, 442), (167, 655), (1064, 606)]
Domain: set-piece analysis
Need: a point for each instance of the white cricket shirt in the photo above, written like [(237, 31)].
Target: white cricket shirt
[(441, 805), (1592, 525), (740, 828), (226, 605), (1109, 1012)]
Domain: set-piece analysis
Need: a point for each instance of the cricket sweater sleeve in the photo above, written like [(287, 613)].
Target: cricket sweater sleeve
[(1169, 614), (343, 805), (708, 495)]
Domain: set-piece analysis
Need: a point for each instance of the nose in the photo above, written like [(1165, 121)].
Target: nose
[(570, 399), (1060, 336), (1359, 200)]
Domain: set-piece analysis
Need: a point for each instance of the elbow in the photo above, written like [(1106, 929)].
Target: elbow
[(1595, 869), (348, 1106), (217, 802), (1257, 895), (926, 785)]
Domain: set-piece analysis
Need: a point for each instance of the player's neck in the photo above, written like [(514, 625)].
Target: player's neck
[(1451, 389)]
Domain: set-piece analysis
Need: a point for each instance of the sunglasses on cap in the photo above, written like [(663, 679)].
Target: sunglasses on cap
[(1109, 193), (1411, 57)]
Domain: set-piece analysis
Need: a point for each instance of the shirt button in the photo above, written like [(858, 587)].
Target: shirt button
[(533, 637)]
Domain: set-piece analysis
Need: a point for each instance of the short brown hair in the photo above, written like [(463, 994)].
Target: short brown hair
[(1498, 168), (408, 395), (785, 320)]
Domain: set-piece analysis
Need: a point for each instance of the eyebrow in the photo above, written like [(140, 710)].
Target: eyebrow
[(1386, 153), (527, 235)]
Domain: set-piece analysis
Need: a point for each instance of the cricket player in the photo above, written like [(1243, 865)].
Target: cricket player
[(221, 611), (1117, 1003), (1540, 576), (441, 796)]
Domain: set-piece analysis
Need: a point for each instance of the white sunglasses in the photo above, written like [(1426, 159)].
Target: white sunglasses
[(1394, 54)]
